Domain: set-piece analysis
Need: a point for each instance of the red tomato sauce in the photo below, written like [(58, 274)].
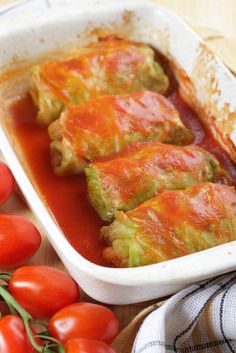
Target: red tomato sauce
[(203, 138), (66, 197)]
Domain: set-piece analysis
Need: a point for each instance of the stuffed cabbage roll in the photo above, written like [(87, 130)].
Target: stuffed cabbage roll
[(111, 66), (172, 224), (108, 124), (145, 170)]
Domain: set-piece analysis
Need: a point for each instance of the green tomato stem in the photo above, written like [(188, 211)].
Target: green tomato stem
[(57, 344), (10, 300), (11, 308), (15, 307), (41, 324)]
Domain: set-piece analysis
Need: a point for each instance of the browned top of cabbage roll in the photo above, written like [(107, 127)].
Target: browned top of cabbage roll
[(128, 178), (110, 66), (173, 224), (109, 124)]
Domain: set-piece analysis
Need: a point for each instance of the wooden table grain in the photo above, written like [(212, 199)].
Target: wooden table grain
[(216, 14)]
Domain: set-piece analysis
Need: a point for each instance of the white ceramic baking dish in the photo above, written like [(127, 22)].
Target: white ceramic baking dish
[(205, 83)]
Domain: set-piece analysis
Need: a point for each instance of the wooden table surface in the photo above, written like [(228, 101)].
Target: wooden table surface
[(217, 14)]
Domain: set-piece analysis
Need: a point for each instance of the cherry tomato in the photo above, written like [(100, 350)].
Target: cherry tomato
[(43, 290), (19, 240), (84, 320), (7, 183), (83, 345), (13, 337)]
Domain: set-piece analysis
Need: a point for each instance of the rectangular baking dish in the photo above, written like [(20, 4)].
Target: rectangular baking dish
[(204, 82)]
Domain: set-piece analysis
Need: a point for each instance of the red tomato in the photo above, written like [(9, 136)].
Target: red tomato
[(84, 320), (83, 345), (19, 240), (13, 337), (7, 183), (43, 290)]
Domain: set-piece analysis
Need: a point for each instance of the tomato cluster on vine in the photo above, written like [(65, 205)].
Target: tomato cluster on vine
[(40, 308)]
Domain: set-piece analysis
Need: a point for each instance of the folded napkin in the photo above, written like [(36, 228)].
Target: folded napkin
[(201, 318)]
